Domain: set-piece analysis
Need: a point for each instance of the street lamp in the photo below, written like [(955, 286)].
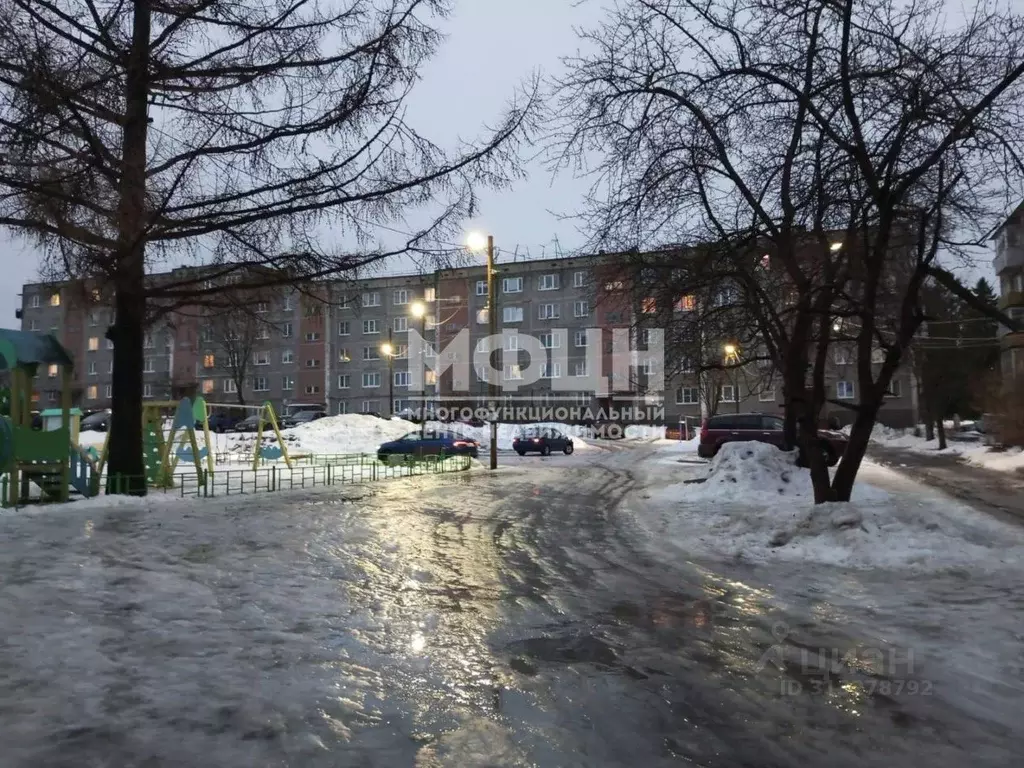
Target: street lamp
[(732, 356), (419, 310), (388, 349), (730, 350), (476, 242)]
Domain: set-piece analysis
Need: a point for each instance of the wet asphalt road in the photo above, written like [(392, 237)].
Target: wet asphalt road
[(473, 620)]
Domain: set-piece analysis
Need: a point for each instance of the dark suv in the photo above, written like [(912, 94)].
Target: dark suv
[(739, 427), (542, 441)]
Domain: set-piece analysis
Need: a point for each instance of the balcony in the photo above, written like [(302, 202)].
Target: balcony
[(1008, 256)]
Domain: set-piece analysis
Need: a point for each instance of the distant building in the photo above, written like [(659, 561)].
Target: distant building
[(1009, 269)]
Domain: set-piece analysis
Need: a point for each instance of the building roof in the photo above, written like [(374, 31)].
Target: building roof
[(20, 348)]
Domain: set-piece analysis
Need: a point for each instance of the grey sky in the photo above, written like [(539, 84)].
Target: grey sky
[(493, 46)]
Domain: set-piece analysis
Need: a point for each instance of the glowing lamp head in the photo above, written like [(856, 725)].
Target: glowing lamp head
[(418, 309), (387, 349), (730, 350), (476, 241)]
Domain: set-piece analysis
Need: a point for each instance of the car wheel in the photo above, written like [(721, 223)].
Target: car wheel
[(521, 453), (568, 448), (545, 451)]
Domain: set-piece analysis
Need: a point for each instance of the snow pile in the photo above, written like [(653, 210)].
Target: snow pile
[(979, 454), (348, 433), (643, 432), (508, 432), (758, 506)]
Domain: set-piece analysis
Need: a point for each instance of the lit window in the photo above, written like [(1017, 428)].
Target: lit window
[(209, 360), (94, 343), (686, 304), (208, 386), (649, 306), (429, 294), (430, 377), (92, 392), (55, 300), (52, 371)]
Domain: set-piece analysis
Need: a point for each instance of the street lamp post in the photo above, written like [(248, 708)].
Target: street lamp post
[(389, 351), (475, 242), (419, 310)]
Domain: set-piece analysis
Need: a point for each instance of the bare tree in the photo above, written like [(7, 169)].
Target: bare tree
[(236, 336), (846, 145), (233, 135)]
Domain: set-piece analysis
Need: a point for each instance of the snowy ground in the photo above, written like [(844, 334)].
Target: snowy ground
[(756, 506), (976, 452)]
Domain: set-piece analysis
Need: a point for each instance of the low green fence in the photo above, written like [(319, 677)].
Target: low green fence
[(312, 472)]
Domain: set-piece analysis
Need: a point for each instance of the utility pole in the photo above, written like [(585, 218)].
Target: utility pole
[(391, 377), (492, 322)]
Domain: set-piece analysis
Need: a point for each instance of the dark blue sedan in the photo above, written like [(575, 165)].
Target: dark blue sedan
[(429, 444)]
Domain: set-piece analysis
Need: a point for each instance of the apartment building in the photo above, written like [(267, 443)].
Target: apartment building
[(326, 345), (1009, 268)]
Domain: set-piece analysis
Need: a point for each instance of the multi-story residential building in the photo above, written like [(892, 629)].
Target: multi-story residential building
[(327, 344), (1009, 268)]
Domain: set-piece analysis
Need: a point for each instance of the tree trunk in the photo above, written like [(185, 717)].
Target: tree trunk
[(942, 433), (126, 468), (856, 447), (929, 426)]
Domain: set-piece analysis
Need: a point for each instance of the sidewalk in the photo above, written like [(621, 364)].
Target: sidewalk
[(998, 493)]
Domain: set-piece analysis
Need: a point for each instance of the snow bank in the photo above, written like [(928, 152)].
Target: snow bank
[(976, 453), (757, 505), (643, 432)]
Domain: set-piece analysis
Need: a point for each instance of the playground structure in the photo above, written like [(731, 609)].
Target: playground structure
[(50, 459)]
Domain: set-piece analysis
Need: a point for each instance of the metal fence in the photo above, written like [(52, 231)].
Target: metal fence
[(316, 471)]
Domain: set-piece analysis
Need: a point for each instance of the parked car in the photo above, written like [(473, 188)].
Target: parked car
[(759, 427), (97, 422), (223, 421), (543, 441), (430, 444), (248, 424), (302, 417)]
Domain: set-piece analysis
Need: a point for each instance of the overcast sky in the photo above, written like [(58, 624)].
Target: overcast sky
[(493, 46)]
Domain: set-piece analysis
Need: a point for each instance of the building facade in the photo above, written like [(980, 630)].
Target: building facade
[(327, 345), (1009, 268)]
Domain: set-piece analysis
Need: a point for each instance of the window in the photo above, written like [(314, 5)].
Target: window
[(287, 357), (261, 358), (110, 344), (312, 389), (512, 343), (550, 371), (206, 334), (343, 381), (727, 393), (147, 342), (842, 356), (878, 356), (94, 319), (110, 367), (579, 369), (263, 333), (344, 302), (844, 390), (147, 390), (313, 362), (649, 306), (614, 285), (369, 406), (312, 336), (401, 324), (261, 308), (92, 367), (550, 340), (687, 396), (230, 386), (314, 310), (371, 353), (342, 408), (208, 386), (371, 299), (895, 388), (580, 339), (687, 365), (512, 314), (259, 384), (344, 356), (209, 360), (512, 285), (481, 287), (370, 326), (371, 380), (91, 392), (580, 309), (548, 283), (401, 351), (286, 331), (52, 371), (429, 294), (54, 299), (288, 306), (430, 377), (686, 304), (34, 303), (513, 372), (401, 378), (579, 279), (549, 311), (148, 365), (645, 336), (107, 391), (767, 395), (33, 325), (94, 343), (401, 297), (287, 383)]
